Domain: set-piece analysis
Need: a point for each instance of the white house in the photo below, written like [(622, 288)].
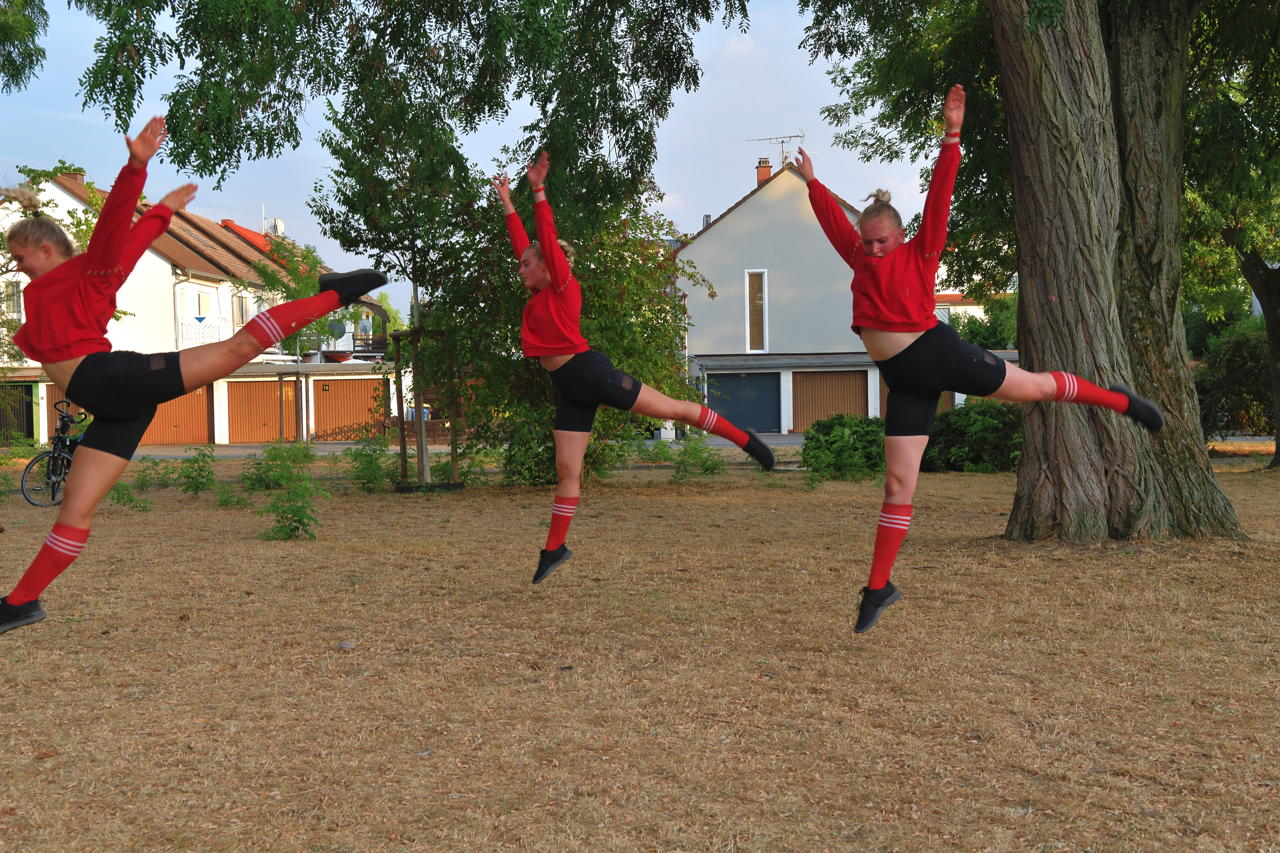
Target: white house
[(189, 289)]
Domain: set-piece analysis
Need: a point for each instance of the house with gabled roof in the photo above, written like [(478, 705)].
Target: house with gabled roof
[(774, 347), (196, 285)]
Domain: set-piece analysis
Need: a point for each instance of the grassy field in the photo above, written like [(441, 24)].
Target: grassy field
[(688, 681)]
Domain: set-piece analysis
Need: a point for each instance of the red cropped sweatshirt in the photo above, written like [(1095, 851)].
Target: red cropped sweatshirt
[(68, 308), (894, 293), (550, 322)]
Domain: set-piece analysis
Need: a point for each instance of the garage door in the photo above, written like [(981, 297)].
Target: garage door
[(820, 394), (186, 420), (262, 411), (346, 409), (749, 400)]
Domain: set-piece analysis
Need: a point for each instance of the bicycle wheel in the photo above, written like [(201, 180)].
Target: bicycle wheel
[(44, 477)]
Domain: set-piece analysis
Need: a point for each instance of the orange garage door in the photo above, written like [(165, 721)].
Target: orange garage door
[(256, 411), (346, 409)]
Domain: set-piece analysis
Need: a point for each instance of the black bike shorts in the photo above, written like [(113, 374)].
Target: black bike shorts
[(586, 382), (121, 390), (936, 361)]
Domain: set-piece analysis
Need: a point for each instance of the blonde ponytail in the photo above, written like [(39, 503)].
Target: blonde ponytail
[(36, 228), (880, 209)]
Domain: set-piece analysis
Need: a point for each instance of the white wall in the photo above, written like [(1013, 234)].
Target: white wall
[(809, 305)]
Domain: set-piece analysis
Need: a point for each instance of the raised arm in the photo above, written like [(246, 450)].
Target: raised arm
[(831, 216), (103, 255), (545, 224), (153, 223), (515, 228), (942, 183)]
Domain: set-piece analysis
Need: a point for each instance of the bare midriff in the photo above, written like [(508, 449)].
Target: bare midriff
[(60, 371), (554, 362), (882, 345)]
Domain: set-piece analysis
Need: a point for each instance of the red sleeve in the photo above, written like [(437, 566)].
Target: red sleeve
[(114, 222), (835, 223), (937, 204), (515, 230), (144, 232), (548, 241)]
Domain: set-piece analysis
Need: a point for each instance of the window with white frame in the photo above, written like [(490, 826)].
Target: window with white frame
[(241, 309), (757, 291)]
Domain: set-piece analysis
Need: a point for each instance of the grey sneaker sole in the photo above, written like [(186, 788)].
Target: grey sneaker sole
[(30, 618), (869, 614)]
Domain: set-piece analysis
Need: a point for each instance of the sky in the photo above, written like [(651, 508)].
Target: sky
[(755, 85)]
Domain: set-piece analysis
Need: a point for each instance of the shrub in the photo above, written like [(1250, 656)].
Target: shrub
[(696, 459), (370, 467), (150, 473), (278, 460), (642, 451), (292, 507), (530, 457), (122, 494), (844, 447), (1234, 382), (226, 496), (195, 472), (981, 436)]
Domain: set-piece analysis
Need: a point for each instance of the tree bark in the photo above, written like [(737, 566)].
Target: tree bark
[(1086, 473), (1265, 282), (1147, 43)]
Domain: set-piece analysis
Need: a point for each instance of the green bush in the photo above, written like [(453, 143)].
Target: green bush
[(844, 447), (292, 507), (195, 472), (530, 456), (122, 494), (642, 451), (278, 460), (225, 495), (696, 458), (1234, 382), (369, 464), (981, 436), (152, 473)]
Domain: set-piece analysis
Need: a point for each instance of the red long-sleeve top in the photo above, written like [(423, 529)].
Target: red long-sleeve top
[(68, 307), (550, 322), (895, 292)]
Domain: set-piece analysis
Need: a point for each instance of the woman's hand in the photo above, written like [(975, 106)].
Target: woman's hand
[(804, 163), (142, 149), (953, 109), (538, 171), (502, 186), (180, 197)]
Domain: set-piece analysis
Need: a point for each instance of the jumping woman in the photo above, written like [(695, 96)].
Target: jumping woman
[(68, 304), (584, 379), (918, 357)]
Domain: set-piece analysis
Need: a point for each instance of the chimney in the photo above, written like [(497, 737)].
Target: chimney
[(706, 220), (73, 177), (763, 170)]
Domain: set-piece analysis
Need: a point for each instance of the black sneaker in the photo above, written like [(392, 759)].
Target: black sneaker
[(350, 286), (549, 560), (758, 450), (16, 615), (874, 601), (1141, 409)]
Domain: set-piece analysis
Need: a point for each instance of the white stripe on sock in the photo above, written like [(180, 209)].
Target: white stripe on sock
[(902, 522), (70, 547)]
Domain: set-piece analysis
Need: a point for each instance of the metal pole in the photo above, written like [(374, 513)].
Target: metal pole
[(424, 468), (404, 446)]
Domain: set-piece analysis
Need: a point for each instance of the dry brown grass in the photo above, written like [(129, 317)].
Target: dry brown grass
[(688, 681)]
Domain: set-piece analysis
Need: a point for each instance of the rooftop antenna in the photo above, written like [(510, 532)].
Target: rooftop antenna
[(782, 144)]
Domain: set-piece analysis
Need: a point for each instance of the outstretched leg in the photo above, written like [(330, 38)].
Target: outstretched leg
[(1023, 386), (203, 364), (655, 404)]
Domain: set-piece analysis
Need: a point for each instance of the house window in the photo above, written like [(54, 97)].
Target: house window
[(204, 303), (241, 310), (11, 304), (757, 318)]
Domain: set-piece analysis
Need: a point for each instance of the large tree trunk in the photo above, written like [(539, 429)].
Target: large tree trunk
[(1147, 43), (1086, 474), (1265, 282)]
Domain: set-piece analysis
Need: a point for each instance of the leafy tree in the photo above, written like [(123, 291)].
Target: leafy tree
[(1081, 129), (296, 275), (1232, 382), (997, 329)]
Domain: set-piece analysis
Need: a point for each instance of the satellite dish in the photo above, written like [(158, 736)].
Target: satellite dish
[(337, 328)]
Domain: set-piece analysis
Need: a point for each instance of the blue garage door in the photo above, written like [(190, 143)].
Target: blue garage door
[(749, 400)]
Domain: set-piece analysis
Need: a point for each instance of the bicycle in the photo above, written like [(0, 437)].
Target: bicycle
[(46, 474)]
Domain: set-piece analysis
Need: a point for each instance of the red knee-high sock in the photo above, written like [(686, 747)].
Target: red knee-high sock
[(714, 423), (895, 519), (275, 324), (562, 510), (60, 549), (1073, 389)]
